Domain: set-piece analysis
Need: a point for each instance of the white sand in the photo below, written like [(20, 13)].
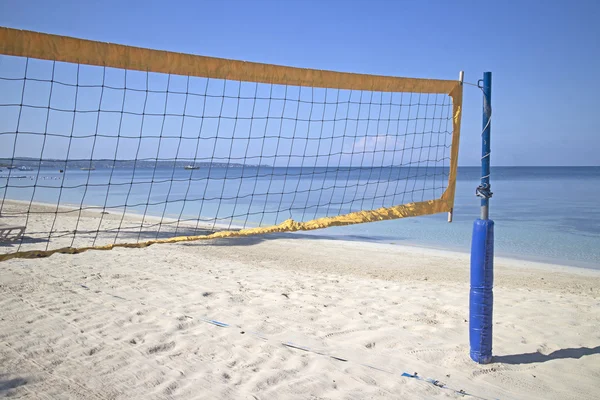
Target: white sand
[(128, 324)]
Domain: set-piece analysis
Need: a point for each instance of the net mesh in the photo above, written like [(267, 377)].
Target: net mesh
[(92, 155)]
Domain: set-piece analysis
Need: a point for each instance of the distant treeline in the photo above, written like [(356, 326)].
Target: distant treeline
[(99, 164)]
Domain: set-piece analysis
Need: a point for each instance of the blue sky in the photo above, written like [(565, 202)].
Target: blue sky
[(544, 54)]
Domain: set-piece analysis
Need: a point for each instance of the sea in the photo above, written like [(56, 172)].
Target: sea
[(547, 214)]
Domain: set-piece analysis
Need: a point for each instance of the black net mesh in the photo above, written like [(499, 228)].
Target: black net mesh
[(93, 155)]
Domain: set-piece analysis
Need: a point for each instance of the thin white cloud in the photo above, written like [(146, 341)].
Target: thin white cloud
[(373, 143)]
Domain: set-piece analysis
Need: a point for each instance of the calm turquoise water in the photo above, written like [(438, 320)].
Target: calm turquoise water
[(544, 214), (547, 214)]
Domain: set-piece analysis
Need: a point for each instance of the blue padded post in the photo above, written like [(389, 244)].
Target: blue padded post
[(481, 297)]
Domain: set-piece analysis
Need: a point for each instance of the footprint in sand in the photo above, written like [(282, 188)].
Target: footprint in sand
[(161, 347)]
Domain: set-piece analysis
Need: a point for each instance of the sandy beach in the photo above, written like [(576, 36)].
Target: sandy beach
[(287, 317), (251, 200)]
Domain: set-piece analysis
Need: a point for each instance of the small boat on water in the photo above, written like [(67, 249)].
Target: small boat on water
[(191, 167), (24, 168), (88, 169)]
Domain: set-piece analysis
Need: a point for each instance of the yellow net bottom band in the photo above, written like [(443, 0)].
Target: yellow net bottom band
[(358, 217)]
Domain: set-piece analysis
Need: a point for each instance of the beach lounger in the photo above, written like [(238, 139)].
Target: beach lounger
[(11, 232)]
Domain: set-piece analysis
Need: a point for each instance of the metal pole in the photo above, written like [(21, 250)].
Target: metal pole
[(485, 144), (481, 296)]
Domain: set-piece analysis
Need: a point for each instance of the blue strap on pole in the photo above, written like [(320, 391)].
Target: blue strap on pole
[(481, 296)]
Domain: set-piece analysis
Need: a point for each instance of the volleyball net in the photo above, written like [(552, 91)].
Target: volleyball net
[(104, 145)]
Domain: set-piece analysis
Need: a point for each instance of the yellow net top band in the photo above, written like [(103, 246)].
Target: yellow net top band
[(44, 46)]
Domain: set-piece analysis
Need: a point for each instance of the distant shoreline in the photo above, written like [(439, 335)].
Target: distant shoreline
[(536, 219), (94, 212)]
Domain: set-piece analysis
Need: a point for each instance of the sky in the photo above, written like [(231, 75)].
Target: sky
[(544, 55)]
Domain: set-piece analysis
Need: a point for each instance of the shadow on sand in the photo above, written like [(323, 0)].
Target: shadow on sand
[(23, 240), (532, 358), (255, 239), (9, 384)]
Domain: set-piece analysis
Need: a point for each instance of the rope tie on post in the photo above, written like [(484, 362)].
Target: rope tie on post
[(484, 191)]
